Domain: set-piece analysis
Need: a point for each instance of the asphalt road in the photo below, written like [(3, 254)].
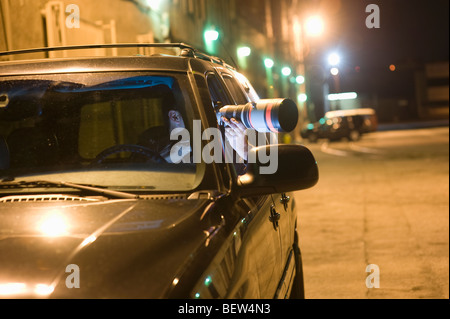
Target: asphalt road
[(382, 201)]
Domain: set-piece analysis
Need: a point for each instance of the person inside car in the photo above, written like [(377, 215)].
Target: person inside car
[(158, 138)]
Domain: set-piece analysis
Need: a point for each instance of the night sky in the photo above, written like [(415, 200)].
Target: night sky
[(409, 29), (411, 33)]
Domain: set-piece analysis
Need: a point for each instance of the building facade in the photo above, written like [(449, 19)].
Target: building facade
[(268, 32)]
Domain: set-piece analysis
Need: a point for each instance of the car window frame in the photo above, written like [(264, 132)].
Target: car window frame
[(229, 100), (233, 86), (207, 180)]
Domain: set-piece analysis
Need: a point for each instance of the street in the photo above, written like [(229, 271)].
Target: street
[(382, 201)]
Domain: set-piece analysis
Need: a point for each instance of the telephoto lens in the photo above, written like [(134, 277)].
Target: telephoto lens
[(266, 115)]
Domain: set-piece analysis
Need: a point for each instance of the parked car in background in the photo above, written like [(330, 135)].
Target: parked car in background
[(335, 125), (90, 207)]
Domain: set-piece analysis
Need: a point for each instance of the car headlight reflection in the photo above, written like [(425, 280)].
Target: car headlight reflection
[(20, 288), (53, 225)]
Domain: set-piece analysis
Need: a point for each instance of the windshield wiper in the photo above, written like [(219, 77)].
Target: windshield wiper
[(91, 188)]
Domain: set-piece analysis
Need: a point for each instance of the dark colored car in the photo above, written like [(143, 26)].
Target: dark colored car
[(335, 125), (89, 210)]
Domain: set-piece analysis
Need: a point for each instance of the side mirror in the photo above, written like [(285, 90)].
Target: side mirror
[(296, 170)]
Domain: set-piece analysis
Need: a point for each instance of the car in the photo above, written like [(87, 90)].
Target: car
[(335, 125), (90, 207)]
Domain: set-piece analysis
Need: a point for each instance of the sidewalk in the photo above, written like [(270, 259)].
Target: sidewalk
[(412, 125), (390, 211)]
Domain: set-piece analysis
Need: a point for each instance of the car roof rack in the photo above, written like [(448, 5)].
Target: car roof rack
[(186, 50), (98, 46)]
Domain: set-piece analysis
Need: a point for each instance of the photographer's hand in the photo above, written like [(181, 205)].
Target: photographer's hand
[(235, 134)]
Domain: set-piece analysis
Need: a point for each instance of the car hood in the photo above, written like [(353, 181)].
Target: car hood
[(98, 249)]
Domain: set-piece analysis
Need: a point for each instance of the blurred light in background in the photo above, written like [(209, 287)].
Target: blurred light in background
[(302, 97), (300, 79), (154, 4), (242, 54), (244, 51), (392, 67), (268, 63), (211, 35), (334, 59), (286, 71), (342, 96), (334, 71), (314, 26)]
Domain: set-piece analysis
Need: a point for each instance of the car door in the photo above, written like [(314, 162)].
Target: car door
[(259, 261), (280, 211)]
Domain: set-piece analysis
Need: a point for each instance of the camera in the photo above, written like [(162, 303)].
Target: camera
[(265, 115)]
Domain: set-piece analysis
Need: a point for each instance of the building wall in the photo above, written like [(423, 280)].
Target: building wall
[(437, 90), (26, 27), (26, 24), (271, 28), (266, 26)]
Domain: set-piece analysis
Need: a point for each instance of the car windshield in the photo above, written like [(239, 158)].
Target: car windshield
[(107, 129)]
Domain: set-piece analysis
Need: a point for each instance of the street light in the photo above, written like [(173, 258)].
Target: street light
[(211, 35), (286, 71), (334, 59), (314, 26), (242, 54), (300, 79), (268, 63), (302, 97), (244, 51), (154, 4), (342, 96)]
